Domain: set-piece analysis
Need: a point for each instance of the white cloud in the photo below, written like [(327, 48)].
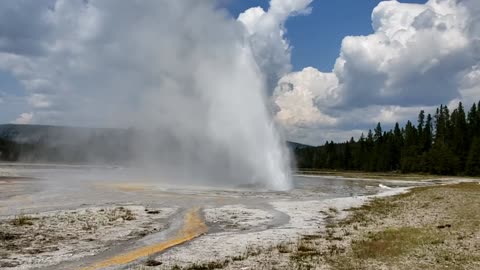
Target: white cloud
[(266, 34), (415, 51), (470, 86), (419, 56), (24, 118), (295, 97)]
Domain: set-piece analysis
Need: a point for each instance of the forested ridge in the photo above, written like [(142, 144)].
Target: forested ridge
[(447, 143)]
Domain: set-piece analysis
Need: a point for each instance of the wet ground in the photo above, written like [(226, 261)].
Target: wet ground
[(169, 215)]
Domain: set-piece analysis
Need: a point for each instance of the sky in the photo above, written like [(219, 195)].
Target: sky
[(332, 69), (316, 38)]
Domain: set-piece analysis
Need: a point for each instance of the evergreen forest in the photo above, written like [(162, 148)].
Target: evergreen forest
[(447, 143)]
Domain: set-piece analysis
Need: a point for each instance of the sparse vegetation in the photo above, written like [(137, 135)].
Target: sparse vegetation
[(284, 248), (22, 220), (305, 246), (120, 213), (205, 266), (408, 231), (393, 242), (333, 210), (433, 227), (6, 236)]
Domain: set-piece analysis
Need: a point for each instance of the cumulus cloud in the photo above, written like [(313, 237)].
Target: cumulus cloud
[(24, 118), (266, 33), (419, 56), (296, 94), (470, 85), (414, 56)]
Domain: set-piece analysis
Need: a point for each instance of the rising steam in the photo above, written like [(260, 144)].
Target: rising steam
[(184, 73)]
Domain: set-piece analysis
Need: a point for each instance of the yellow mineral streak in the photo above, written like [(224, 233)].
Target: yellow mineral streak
[(123, 187), (130, 187), (193, 227)]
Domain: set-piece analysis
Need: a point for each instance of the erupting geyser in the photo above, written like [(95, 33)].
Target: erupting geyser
[(182, 72), (210, 108)]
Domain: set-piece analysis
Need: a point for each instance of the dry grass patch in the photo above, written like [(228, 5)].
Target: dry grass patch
[(429, 228), (391, 243), (22, 220), (207, 266)]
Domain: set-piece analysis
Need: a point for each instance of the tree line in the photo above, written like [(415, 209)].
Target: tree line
[(447, 143)]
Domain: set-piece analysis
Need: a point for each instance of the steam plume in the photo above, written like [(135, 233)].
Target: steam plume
[(184, 72)]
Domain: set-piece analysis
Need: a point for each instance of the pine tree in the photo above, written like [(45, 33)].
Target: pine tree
[(459, 143), (397, 145), (473, 160), (331, 157), (442, 160), (421, 125), (409, 152), (473, 121), (362, 154), (378, 133), (347, 157), (442, 123), (427, 134), (370, 158)]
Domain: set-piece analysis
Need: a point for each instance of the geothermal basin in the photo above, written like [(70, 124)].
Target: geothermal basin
[(101, 217)]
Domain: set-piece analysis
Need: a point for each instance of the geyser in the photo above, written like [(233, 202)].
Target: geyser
[(182, 72)]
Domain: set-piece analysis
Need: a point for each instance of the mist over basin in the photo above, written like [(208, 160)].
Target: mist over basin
[(143, 215), (50, 186)]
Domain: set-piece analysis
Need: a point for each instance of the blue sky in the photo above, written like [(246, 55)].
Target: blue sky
[(316, 38)]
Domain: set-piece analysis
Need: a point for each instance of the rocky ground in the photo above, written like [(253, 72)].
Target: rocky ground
[(48, 238)]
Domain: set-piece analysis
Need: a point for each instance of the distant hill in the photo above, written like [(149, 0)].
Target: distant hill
[(53, 134), (295, 145), (65, 134), (73, 144), (60, 143)]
